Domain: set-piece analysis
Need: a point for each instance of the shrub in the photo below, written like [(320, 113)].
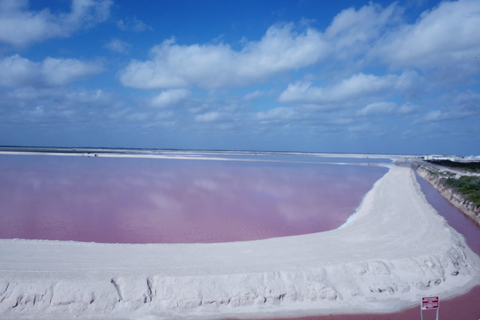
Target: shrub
[(469, 186)]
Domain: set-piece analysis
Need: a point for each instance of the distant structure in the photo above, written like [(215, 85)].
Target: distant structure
[(440, 157), (453, 158)]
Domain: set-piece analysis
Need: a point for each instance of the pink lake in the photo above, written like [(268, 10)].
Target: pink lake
[(141, 200)]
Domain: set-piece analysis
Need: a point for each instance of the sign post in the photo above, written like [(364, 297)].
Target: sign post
[(429, 303)]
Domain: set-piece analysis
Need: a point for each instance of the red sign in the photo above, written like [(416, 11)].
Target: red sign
[(429, 303)]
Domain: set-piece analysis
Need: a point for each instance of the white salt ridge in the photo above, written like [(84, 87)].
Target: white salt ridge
[(396, 250), (353, 216)]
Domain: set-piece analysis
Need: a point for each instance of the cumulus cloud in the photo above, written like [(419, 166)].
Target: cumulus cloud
[(169, 97), (19, 72), (279, 113), (211, 116), (356, 86), (118, 45), (21, 27), (256, 94), (352, 31), (216, 66), (367, 65), (468, 99), (446, 115), (55, 105), (377, 108), (360, 128), (77, 108), (456, 106), (135, 25), (446, 36), (407, 108), (138, 116)]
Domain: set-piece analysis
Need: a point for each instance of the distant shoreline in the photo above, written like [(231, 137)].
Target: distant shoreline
[(210, 155), (85, 150)]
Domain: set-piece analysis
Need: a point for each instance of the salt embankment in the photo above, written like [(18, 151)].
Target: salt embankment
[(436, 177), (395, 251)]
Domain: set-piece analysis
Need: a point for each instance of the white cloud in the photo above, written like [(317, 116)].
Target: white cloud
[(19, 72), (62, 71), (280, 113), (135, 25), (256, 94), (118, 45), (358, 85), (446, 36), (21, 27), (446, 115), (451, 107), (468, 99), (377, 108), (211, 116), (352, 31), (360, 128), (169, 97), (164, 115), (407, 108), (56, 105), (215, 66), (138, 116), (88, 12)]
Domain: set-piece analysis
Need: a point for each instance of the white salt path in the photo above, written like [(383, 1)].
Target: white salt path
[(395, 251)]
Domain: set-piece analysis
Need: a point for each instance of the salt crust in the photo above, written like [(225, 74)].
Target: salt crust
[(396, 250)]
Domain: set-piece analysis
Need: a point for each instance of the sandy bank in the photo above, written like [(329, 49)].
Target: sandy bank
[(215, 156), (436, 176), (395, 251)]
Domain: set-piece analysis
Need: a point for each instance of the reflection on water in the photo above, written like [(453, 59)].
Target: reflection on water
[(171, 201)]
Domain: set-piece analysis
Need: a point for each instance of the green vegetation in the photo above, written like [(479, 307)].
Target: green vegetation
[(472, 166), (469, 186), (450, 174), (432, 171)]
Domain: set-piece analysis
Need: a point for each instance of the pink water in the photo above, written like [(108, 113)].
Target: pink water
[(121, 200), (151, 200), (464, 307)]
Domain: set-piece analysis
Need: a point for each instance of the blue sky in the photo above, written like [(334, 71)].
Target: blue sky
[(320, 76)]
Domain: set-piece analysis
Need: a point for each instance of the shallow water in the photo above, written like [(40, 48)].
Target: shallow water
[(122, 200)]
